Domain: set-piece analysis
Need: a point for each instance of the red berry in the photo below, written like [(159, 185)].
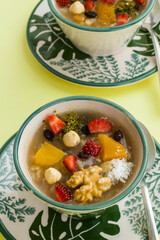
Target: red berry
[(55, 123), (100, 125), (62, 193), (122, 18), (63, 3), (141, 2), (108, 1), (92, 148), (70, 162), (89, 5)]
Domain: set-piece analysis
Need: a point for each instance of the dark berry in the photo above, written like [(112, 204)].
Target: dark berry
[(83, 155), (85, 130), (48, 135), (91, 14), (117, 135), (137, 7)]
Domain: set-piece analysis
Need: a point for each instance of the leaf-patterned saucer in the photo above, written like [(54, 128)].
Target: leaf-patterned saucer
[(24, 216), (57, 54)]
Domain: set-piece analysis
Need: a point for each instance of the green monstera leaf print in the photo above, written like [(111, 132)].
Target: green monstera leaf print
[(13, 207), (134, 207), (61, 226), (49, 40), (144, 42)]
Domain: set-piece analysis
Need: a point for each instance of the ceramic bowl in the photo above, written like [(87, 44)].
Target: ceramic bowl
[(81, 103), (100, 41)]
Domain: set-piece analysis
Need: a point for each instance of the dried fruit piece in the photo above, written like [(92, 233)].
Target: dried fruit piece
[(141, 2), (89, 5), (85, 130), (48, 155), (110, 148), (70, 162), (91, 14), (91, 148), (122, 18), (62, 193), (48, 135), (100, 125), (106, 12), (83, 155), (55, 123), (117, 135), (63, 3)]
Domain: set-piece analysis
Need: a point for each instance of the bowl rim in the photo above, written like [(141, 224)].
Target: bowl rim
[(98, 29), (81, 208)]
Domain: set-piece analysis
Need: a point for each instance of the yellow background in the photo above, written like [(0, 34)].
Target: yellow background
[(25, 85)]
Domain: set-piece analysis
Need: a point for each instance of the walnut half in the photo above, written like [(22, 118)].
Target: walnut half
[(93, 184)]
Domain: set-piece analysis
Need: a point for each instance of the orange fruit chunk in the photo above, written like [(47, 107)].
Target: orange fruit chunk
[(106, 12), (110, 149), (48, 155)]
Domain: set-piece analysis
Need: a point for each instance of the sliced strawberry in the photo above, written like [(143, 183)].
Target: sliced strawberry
[(89, 5), (122, 18), (92, 148), (63, 3), (100, 125), (141, 2), (108, 1), (55, 123), (70, 162), (62, 193)]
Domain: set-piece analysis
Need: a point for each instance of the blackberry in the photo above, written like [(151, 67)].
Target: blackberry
[(117, 135), (85, 130), (48, 135), (83, 155), (91, 14)]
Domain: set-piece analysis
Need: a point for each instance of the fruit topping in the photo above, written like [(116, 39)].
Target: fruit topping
[(141, 2), (48, 155), (83, 155), (110, 148), (106, 12), (91, 148), (70, 162), (89, 5), (62, 193), (71, 139), (100, 125), (117, 135), (108, 1), (91, 14), (85, 130), (63, 3), (122, 18), (55, 123), (48, 135)]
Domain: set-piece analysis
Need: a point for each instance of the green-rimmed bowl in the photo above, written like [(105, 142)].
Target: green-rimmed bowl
[(82, 104), (100, 41)]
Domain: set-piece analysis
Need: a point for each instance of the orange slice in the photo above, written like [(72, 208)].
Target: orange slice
[(110, 149)]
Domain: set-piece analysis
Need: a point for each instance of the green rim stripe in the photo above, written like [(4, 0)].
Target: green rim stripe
[(96, 29), (73, 207)]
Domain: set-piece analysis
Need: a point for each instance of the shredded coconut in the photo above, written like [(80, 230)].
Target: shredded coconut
[(121, 169)]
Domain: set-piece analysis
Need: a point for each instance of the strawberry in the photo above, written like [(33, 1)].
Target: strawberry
[(141, 2), (55, 123), (108, 1), (92, 148), (62, 193), (63, 3), (100, 125), (70, 162), (122, 18), (89, 5)]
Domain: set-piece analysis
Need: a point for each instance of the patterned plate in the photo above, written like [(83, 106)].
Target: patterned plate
[(24, 216), (56, 53)]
